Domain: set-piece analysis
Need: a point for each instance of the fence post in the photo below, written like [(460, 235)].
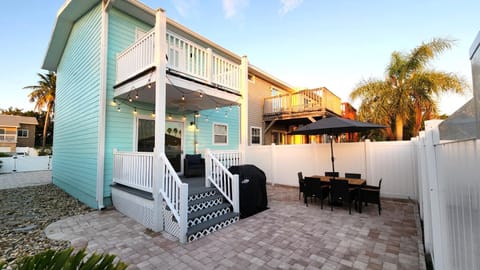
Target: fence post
[(432, 138)]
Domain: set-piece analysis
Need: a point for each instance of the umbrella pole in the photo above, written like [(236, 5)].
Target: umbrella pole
[(331, 154)]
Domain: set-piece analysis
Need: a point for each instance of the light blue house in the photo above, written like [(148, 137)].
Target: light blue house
[(136, 92)]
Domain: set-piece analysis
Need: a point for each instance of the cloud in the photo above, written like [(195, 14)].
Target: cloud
[(289, 5), (183, 7), (232, 7)]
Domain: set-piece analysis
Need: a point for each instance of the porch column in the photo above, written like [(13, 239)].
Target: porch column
[(244, 107), (160, 97)]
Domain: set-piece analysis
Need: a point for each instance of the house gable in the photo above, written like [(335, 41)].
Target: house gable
[(77, 110)]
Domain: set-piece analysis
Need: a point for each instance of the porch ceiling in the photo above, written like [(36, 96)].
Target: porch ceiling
[(183, 96)]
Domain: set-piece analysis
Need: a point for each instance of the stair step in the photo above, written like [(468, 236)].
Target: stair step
[(208, 213), (203, 203), (200, 192), (211, 225)]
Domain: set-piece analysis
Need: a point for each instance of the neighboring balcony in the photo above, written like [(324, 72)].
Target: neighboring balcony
[(301, 104), (184, 58)]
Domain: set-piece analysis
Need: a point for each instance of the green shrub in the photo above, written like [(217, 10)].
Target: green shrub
[(68, 260), (3, 154)]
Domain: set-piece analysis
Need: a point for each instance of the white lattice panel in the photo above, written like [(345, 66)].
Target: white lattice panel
[(171, 225)]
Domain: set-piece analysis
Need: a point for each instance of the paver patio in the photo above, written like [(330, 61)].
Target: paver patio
[(289, 235)]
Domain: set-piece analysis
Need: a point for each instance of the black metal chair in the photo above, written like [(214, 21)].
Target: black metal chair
[(371, 194), (340, 192), (301, 184), (332, 174), (314, 188), (353, 175), (193, 165)]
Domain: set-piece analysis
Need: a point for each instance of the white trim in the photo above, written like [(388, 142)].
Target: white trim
[(137, 117), (102, 109), (213, 133), (259, 135), (139, 33)]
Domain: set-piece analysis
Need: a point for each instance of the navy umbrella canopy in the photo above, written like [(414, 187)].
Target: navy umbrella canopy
[(334, 126)]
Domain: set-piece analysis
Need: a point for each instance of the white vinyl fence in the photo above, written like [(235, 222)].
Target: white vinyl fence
[(25, 164), (449, 191), (394, 162)]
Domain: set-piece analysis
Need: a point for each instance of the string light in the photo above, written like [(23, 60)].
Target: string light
[(153, 114), (201, 95), (136, 95), (169, 117), (118, 108), (216, 108), (134, 110), (184, 117), (197, 114), (129, 98), (183, 97)]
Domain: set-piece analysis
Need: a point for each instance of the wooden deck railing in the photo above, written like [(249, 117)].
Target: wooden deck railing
[(183, 56), (226, 182), (302, 101), (133, 169)]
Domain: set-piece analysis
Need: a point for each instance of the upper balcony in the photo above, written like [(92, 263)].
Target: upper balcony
[(184, 57), (305, 103)]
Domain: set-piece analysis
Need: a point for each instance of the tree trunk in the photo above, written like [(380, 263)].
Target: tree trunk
[(418, 121), (399, 127), (45, 126)]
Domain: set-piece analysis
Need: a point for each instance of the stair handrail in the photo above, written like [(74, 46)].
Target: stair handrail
[(222, 179), (175, 194)]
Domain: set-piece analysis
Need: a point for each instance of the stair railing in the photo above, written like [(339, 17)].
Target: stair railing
[(175, 194), (222, 179)]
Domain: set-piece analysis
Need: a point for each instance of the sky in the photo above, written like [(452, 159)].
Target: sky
[(305, 43)]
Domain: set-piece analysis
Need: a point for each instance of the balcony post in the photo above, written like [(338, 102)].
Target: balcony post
[(209, 65), (160, 89)]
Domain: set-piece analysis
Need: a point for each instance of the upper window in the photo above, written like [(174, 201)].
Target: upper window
[(275, 92), (255, 135), (220, 133), (22, 133)]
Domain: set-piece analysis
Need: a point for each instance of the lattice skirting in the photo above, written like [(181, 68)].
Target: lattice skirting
[(137, 208), (212, 229), (207, 204), (211, 215), (171, 225), (201, 195)]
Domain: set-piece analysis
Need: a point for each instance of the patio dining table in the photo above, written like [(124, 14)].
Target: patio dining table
[(351, 181)]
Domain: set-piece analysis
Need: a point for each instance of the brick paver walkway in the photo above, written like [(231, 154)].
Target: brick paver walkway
[(287, 236)]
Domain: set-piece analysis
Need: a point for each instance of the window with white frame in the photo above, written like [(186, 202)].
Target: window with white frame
[(220, 133), (22, 133), (255, 135)]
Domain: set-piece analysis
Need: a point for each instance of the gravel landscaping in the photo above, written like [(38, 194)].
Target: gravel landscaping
[(25, 213)]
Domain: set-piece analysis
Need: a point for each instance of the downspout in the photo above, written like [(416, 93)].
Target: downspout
[(102, 106), (244, 108)]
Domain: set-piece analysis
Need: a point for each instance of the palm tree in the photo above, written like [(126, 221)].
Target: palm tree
[(409, 90), (43, 95)]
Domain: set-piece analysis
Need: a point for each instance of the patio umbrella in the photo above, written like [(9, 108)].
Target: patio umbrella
[(334, 126)]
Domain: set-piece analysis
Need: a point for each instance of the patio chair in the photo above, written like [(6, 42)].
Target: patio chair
[(301, 184), (353, 175), (370, 194), (340, 192), (314, 188), (332, 174), (193, 165)]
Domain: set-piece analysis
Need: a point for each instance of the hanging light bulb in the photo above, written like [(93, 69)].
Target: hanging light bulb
[(183, 97), (197, 114), (114, 102), (216, 108), (136, 95), (169, 117), (118, 108), (153, 114), (134, 110), (184, 117), (149, 85), (201, 95), (130, 98)]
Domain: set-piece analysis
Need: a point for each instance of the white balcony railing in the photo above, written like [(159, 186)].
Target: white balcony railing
[(183, 56), (133, 170)]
